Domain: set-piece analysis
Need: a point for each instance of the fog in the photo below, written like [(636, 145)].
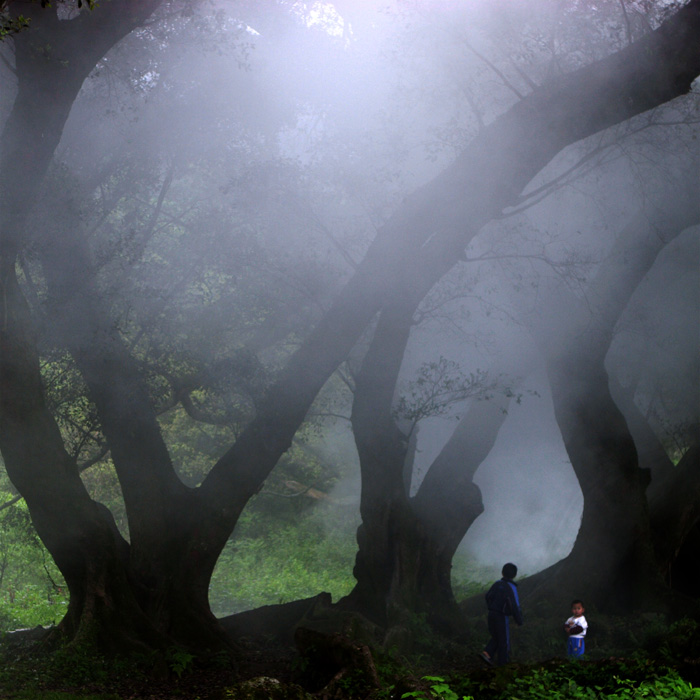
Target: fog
[(230, 164)]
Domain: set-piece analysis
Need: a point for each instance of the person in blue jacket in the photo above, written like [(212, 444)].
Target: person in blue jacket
[(502, 602)]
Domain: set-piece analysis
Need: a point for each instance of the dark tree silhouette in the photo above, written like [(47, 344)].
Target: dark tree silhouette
[(406, 544), (615, 544), (152, 591)]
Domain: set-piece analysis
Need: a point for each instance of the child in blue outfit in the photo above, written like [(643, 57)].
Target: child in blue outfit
[(502, 601), (575, 628)]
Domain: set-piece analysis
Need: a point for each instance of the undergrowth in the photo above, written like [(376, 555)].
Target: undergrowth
[(566, 682), (82, 674)]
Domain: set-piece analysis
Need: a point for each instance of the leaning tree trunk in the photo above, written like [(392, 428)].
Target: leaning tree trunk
[(52, 60), (428, 233), (121, 595), (461, 195)]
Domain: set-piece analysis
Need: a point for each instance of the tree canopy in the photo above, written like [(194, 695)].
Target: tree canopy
[(223, 229)]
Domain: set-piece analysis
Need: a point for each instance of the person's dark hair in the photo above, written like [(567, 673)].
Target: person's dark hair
[(509, 570), (578, 601)]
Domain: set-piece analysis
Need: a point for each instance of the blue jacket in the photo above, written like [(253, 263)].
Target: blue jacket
[(502, 598)]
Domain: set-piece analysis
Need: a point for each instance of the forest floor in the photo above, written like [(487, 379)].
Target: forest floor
[(663, 663), (614, 678)]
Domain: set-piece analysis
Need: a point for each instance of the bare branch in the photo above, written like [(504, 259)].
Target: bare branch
[(496, 70), (627, 21)]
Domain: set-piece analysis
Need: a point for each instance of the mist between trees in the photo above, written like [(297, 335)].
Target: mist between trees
[(368, 288)]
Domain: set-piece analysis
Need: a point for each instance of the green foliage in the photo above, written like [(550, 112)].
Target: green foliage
[(437, 387), (354, 684), (469, 577), (285, 563), (30, 606), (66, 398), (10, 26), (179, 661), (579, 681), (438, 689), (193, 444), (32, 590)]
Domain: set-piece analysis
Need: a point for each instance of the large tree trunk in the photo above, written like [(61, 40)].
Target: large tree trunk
[(675, 512), (154, 591), (613, 562), (406, 545), (674, 491), (52, 61), (448, 502), (387, 520), (378, 567), (175, 540), (79, 533)]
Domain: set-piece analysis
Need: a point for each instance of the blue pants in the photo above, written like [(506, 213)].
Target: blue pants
[(575, 646), (498, 646)]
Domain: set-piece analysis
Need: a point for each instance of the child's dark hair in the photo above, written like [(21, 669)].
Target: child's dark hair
[(578, 601), (509, 570)]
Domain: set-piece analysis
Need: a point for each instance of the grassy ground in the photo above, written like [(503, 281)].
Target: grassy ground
[(651, 661)]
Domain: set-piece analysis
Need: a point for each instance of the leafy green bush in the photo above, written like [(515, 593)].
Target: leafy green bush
[(32, 591), (30, 606), (576, 681), (438, 689)]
